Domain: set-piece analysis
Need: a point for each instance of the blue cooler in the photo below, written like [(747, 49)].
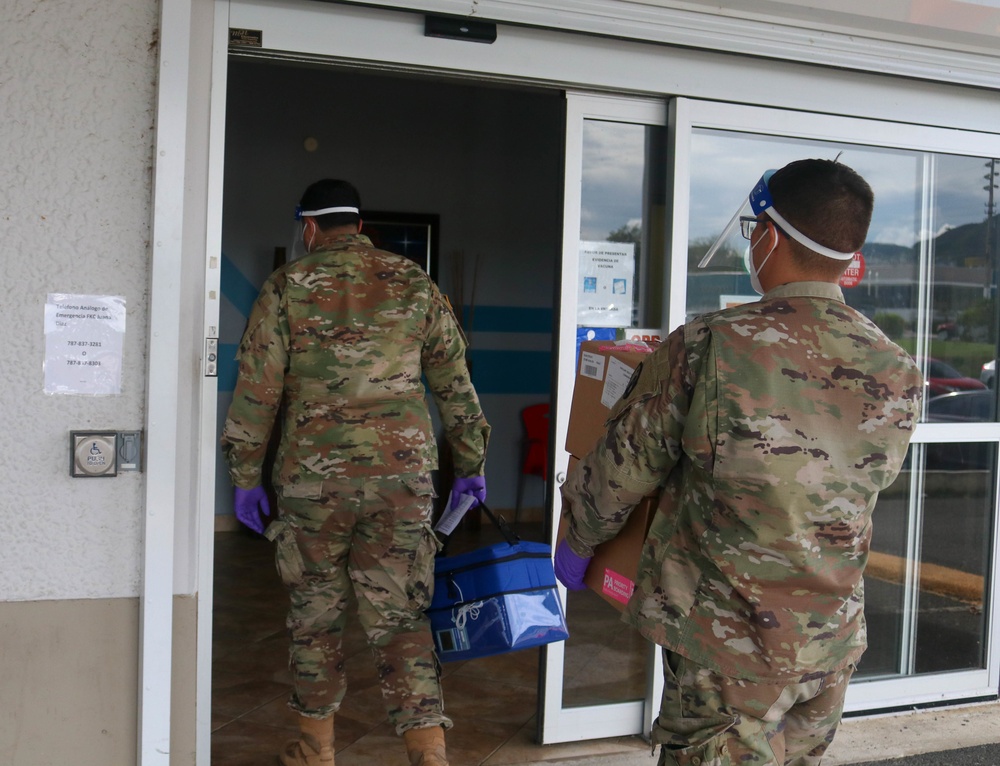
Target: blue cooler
[(495, 599)]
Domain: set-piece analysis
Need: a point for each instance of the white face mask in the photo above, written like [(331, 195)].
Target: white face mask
[(755, 273)]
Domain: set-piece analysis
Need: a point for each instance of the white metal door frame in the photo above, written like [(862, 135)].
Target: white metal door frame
[(309, 31), (209, 393), (156, 597)]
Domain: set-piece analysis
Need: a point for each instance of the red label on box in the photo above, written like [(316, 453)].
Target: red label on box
[(617, 586)]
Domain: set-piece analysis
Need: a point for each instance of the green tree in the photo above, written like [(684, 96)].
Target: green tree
[(726, 258), (981, 314), (890, 323)]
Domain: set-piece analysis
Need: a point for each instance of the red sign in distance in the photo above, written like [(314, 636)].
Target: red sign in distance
[(852, 274)]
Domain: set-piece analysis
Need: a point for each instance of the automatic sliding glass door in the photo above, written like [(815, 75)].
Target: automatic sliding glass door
[(601, 681), (927, 277)]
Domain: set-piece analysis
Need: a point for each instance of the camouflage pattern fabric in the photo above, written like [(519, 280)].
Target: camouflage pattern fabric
[(710, 720), (339, 339), (770, 428), (370, 537)]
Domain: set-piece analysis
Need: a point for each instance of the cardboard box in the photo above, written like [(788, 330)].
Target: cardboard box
[(612, 571), (603, 371)]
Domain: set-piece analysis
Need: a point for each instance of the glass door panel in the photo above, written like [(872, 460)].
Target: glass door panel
[(927, 277), (621, 207), (598, 683)]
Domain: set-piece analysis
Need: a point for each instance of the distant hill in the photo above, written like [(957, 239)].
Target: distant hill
[(954, 246)]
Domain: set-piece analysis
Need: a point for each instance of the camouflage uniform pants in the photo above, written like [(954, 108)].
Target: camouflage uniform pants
[(372, 537), (711, 720)]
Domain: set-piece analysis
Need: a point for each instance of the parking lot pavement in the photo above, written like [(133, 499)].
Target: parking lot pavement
[(983, 755), (964, 736)]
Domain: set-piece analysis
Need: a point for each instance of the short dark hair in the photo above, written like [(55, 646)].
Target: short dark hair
[(829, 203), (331, 192)]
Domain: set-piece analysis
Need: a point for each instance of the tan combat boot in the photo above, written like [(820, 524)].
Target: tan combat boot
[(425, 747), (315, 745)]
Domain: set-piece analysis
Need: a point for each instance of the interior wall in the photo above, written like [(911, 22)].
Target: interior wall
[(487, 160)]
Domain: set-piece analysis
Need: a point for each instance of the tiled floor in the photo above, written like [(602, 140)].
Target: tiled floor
[(492, 700)]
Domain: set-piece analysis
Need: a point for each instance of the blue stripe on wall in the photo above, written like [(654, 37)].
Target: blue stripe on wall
[(236, 288), (511, 372), (228, 366), (507, 319)]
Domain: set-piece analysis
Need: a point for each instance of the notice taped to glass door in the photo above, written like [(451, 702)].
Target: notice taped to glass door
[(604, 295)]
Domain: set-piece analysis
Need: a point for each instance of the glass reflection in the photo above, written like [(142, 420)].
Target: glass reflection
[(623, 198), (885, 579), (928, 271), (928, 278), (939, 624), (605, 660), (622, 202)]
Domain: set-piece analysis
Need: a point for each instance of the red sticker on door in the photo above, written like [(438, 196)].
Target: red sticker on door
[(852, 274)]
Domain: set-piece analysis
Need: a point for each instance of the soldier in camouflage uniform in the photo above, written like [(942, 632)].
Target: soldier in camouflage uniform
[(337, 342), (768, 430)]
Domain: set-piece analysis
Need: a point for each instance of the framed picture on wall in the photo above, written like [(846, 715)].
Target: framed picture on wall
[(412, 235)]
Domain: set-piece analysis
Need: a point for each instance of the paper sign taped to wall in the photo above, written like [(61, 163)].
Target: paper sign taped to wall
[(84, 335)]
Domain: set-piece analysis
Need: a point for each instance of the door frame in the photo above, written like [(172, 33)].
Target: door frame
[(342, 34)]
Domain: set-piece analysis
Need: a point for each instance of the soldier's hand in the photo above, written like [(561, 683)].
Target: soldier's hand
[(249, 504), (570, 567), (473, 485)]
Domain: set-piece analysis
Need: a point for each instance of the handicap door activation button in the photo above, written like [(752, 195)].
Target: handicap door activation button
[(94, 454)]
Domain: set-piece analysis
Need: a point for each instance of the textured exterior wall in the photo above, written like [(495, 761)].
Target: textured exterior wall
[(77, 94), (84, 688)]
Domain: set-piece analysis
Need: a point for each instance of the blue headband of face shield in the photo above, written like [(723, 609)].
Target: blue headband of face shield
[(759, 201)]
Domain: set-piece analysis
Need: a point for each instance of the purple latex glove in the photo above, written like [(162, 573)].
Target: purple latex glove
[(570, 567), (473, 485), (249, 504)]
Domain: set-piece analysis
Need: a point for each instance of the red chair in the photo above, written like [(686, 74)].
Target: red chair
[(534, 448)]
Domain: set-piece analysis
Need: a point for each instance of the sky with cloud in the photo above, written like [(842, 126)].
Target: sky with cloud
[(726, 165)]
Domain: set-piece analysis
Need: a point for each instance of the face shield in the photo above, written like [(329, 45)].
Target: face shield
[(759, 201), (298, 245)]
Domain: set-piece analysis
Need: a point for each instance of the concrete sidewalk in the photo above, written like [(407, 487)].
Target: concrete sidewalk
[(966, 732), (969, 734)]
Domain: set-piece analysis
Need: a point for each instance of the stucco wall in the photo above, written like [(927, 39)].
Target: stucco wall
[(77, 90)]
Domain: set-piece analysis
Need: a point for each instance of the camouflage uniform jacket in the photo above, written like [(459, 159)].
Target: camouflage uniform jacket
[(339, 340), (769, 430)]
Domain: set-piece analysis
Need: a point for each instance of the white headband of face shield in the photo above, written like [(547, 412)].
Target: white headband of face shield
[(297, 247), (759, 201), (299, 214), (803, 240)]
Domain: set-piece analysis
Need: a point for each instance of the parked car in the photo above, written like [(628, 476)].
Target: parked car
[(943, 379), (988, 375), (978, 406)]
